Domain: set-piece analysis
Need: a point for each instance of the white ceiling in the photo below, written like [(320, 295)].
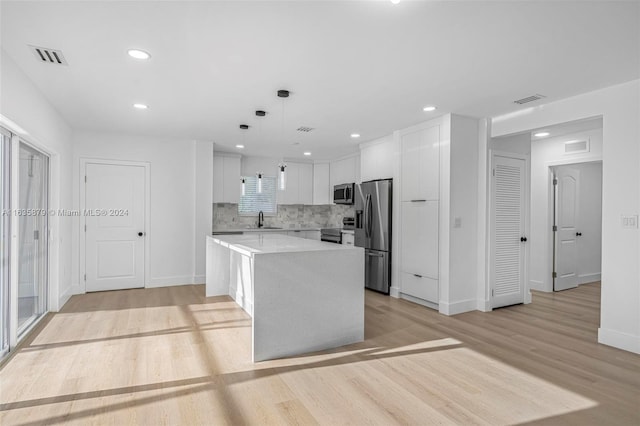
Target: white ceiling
[(352, 66)]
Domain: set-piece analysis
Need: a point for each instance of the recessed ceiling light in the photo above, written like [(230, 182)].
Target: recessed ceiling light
[(541, 134), (140, 106), (395, 1), (429, 108), (307, 153), (240, 146), (355, 135), (138, 54)]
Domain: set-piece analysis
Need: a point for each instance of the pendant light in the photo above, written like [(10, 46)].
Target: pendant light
[(282, 175), (243, 127), (260, 113)]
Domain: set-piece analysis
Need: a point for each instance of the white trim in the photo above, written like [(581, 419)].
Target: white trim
[(538, 286), (455, 308), (384, 139), (170, 281), (64, 298), (344, 157), (82, 222), (199, 279), (394, 291), (617, 339), (14, 244), (226, 154), (589, 278)]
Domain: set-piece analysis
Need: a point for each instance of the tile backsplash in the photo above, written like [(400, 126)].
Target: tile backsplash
[(225, 216)]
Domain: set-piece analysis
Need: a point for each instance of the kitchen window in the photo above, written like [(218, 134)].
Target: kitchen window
[(253, 202)]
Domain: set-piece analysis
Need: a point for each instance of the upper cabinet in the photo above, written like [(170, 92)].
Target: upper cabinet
[(226, 178), (298, 184), (420, 164), (321, 190), (378, 159), (345, 170)]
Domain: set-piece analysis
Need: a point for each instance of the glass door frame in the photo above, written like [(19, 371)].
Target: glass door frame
[(13, 186), (5, 241)]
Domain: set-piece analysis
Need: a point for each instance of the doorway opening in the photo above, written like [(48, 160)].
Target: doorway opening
[(577, 224)]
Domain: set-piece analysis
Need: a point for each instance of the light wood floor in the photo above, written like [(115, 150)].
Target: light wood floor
[(172, 356)]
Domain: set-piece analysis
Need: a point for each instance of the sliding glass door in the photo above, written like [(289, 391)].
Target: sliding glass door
[(33, 175), (5, 161)]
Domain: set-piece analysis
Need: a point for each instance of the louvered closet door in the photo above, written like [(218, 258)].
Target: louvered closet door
[(508, 226)]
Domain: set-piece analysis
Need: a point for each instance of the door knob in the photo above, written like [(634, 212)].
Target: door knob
[(578, 234), (523, 239), (140, 234)]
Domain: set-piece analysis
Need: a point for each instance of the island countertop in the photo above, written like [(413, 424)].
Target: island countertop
[(252, 244)]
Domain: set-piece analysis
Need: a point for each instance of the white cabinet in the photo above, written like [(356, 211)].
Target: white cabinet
[(378, 159), (420, 164), (299, 184), (321, 190), (226, 178), (312, 235), (419, 286), (420, 238), (345, 170), (420, 183), (348, 238)]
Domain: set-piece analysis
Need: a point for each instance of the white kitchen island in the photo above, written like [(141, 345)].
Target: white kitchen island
[(302, 295)]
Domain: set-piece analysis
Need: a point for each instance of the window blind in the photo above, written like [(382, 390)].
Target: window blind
[(252, 202)]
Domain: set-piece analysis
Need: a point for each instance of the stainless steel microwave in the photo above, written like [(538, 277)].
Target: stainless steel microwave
[(343, 193)]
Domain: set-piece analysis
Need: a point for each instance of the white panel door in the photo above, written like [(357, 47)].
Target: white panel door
[(420, 238), (567, 206), (115, 220), (508, 227)]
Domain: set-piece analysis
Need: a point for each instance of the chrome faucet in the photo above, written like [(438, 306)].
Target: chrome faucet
[(260, 219)]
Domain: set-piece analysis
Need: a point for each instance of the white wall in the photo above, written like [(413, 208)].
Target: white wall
[(177, 225), (463, 199), (518, 144), (544, 154), (24, 104), (620, 108), (203, 204)]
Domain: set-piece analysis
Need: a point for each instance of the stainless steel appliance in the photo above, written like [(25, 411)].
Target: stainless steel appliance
[(373, 202), (331, 235), (343, 193)]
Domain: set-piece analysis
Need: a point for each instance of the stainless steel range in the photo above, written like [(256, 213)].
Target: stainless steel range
[(331, 235)]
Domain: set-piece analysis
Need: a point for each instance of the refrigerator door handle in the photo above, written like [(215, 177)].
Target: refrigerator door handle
[(369, 216), (374, 254), (366, 216)]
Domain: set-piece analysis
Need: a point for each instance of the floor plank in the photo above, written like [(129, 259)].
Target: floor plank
[(172, 356)]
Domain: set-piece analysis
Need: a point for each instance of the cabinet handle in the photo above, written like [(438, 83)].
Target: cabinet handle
[(416, 275), (418, 201)]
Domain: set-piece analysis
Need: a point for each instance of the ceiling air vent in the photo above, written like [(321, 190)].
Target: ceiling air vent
[(50, 56), (304, 129), (529, 99), (574, 147)]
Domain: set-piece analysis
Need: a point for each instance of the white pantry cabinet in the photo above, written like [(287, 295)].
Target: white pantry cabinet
[(420, 183), (226, 178), (420, 164), (420, 238)]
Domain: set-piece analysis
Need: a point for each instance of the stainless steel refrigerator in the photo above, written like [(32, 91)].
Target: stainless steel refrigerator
[(373, 231)]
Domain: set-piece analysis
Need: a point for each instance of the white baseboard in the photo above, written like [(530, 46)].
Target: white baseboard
[(394, 292), (64, 297), (588, 278), (484, 305), (170, 281), (459, 307), (199, 279), (539, 286), (617, 339), (77, 289)]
